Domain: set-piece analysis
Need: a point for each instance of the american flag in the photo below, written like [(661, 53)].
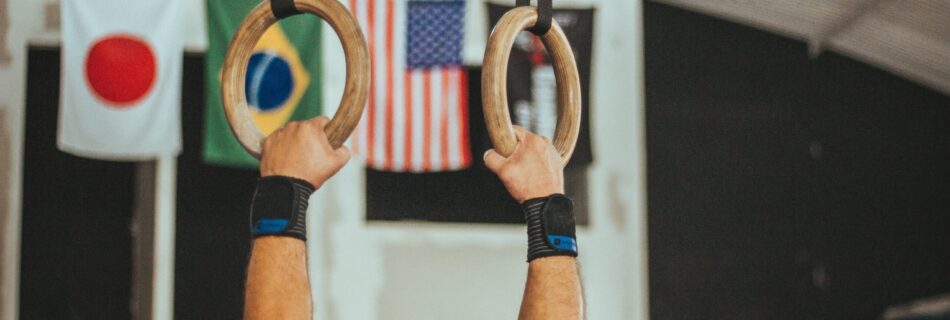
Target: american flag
[(416, 119)]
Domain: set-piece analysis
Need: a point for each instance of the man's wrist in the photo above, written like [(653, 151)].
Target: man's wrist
[(541, 193), (279, 207), (551, 230), (312, 183)]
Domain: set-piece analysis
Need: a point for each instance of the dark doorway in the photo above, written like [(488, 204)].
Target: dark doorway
[(76, 260), (212, 230)]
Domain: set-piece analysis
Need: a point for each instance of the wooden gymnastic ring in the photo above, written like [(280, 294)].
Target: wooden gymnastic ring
[(494, 83), (234, 70)]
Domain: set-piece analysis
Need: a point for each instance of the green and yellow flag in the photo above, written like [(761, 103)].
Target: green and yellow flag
[(283, 77)]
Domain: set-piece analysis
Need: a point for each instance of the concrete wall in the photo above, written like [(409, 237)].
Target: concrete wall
[(405, 270)]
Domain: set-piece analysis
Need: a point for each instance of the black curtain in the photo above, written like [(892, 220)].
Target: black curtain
[(783, 187)]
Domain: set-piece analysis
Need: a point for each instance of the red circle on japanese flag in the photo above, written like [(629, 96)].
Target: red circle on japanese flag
[(120, 69)]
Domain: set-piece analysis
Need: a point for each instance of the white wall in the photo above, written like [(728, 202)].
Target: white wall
[(418, 270)]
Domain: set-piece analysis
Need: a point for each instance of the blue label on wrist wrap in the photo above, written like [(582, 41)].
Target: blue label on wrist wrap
[(563, 242), (550, 222), (270, 226), (279, 207)]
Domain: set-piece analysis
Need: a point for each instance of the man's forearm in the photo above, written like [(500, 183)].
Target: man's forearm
[(295, 161), (277, 283), (553, 290)]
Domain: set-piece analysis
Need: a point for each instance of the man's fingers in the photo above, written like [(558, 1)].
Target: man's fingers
[(539, 143), (314, 123), (546, 140), (521, 133), (269, 139), (493, 160), (320, 121), (521, 138), (318, 124), (343, 153), (265, 144)]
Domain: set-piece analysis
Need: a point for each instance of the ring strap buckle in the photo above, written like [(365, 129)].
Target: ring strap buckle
[(545, 15), (284, 8)]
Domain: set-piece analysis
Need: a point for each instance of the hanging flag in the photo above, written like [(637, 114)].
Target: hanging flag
[(416, 119), (121, 78), (282, 82)]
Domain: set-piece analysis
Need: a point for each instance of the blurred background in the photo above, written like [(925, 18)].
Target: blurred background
[(751, 159)]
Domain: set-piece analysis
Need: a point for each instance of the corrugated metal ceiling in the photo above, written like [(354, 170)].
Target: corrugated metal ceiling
[(910, 38)]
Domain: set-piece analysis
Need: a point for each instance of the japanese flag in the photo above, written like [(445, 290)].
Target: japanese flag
[(121, 78)]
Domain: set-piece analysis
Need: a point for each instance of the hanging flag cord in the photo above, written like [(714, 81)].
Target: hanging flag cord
[(285, 8), (545, 15)]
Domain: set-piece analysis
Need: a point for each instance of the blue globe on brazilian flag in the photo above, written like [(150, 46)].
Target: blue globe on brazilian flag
[(276, 80), (282, 77)]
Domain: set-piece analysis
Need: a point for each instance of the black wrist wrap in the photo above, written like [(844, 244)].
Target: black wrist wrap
[(550, 227), (280, 207)]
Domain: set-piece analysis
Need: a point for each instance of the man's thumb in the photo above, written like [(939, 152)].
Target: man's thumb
[(493, 160)]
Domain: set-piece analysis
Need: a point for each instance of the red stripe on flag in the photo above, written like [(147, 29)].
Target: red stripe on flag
[(427, 119), (371, 112), (389, 85), (444, 121), (464, 149)]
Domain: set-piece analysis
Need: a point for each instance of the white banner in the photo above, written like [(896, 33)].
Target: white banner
[(121, 78)]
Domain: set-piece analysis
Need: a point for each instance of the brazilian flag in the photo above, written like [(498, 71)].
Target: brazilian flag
[(283, 77)]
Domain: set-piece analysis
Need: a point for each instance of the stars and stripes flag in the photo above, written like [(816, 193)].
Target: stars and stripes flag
[(416, 119)]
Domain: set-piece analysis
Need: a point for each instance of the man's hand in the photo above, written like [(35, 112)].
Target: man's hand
[(300, 150), (532, 171)]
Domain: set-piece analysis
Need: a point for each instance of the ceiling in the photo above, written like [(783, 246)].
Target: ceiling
[(910, 38)]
